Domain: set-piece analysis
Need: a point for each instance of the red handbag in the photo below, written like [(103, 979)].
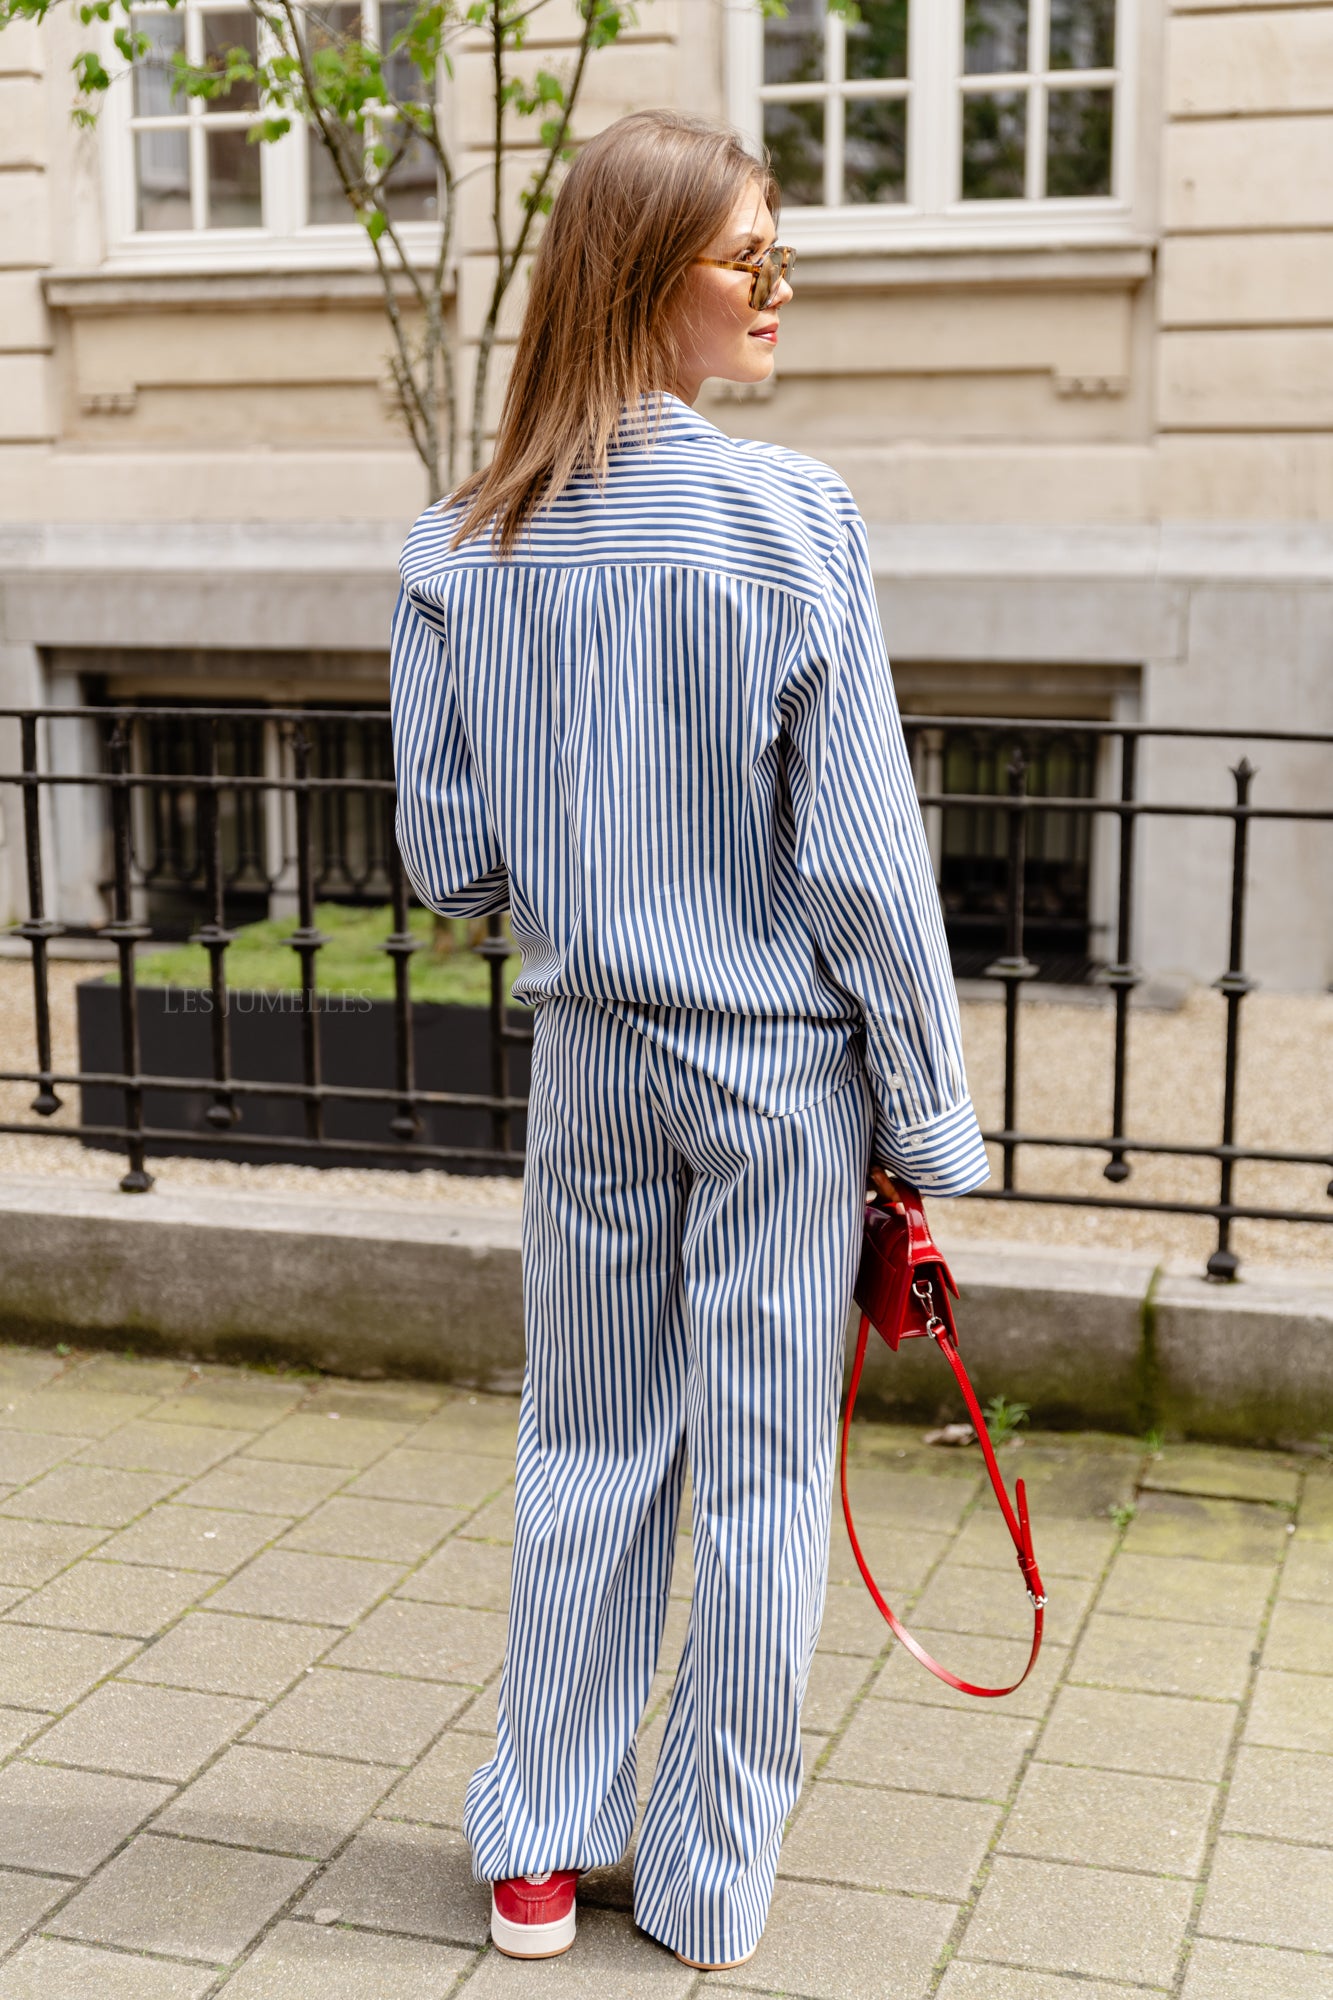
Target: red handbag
[(903, 1288)]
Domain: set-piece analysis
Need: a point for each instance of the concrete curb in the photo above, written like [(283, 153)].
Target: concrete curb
[(1253, 1359), (355, 1289), (1059, 1330), (416, 1289)]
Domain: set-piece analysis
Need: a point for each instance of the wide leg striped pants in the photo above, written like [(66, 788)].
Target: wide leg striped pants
[(687, 1270)]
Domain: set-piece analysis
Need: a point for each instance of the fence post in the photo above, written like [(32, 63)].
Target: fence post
[(1122, 977), (495, 948), (305, 940), (1233, 985), (1013, 967), (38, 927), (125, 931), (400, 944), (213, 934)]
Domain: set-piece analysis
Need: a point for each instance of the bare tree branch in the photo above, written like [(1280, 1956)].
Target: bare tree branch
[(420, 420), (349, 105), (508, 260)]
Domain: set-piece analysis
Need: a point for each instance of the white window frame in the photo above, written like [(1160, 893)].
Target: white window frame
[(285, 241), (934, 216)]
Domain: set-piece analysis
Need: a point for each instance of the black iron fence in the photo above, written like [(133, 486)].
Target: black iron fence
[(188, 745), (204, 814)]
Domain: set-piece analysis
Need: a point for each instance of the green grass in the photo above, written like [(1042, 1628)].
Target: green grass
[(1003, 1419), (353, 961)]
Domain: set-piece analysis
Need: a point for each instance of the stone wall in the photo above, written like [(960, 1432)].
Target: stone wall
[(1076, 460), (1245, 324)]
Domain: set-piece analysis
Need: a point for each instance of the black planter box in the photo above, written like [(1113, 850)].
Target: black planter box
[(451, 1046)]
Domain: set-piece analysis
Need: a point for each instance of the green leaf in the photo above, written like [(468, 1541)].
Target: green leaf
[(375, 221), (133, 47), (265, 130), (89, 72), (608, 17)]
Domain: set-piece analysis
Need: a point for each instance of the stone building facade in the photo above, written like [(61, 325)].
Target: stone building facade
[(1063, 320)]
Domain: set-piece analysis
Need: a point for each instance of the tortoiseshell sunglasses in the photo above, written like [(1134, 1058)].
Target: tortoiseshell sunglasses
[(767, 272)]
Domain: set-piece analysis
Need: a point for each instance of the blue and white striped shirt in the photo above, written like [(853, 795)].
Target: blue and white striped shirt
[(664, 735)]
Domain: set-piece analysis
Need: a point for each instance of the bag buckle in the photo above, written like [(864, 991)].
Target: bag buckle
[(925, 1291)]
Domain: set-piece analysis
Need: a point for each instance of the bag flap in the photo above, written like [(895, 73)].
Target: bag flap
[(898, 1249)]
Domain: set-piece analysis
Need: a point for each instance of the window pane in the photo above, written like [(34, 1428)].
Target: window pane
[(1078, 142), (995, 36), (152, 75), (231, 31), (162, 170), (401, 73), (413, 184), (794, 135), (1082, 34), (874, 163), (325, 200), (877, 43), (794, 47), (326, 25), (233, 182), (994, 144)]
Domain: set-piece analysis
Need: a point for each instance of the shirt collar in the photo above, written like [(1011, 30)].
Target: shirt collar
[(676, 417)]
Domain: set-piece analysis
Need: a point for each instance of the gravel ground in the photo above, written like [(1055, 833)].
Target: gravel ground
[(1175, 1092)]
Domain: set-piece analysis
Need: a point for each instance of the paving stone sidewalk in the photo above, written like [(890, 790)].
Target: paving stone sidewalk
[(250, 1627)]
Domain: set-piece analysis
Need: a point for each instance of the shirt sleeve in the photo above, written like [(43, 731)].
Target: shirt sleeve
[(441, 821), (869, 887)]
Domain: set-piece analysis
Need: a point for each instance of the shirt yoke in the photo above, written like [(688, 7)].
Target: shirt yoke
[(696, 499)]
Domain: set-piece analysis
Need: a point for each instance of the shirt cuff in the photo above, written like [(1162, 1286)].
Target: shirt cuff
[(944, 1156)]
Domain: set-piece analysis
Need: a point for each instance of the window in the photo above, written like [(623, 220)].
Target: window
[(413, 176), (835, 100), (193, 165), (182, 171), (929, 115), (1038, 99)]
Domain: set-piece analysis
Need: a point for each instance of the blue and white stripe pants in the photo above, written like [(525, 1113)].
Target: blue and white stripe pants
[(687, 1271)]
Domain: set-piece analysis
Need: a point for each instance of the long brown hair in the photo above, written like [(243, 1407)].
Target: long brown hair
[(640, 203)]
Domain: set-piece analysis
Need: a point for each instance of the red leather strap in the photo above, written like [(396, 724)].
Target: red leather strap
[(1016, 1519)]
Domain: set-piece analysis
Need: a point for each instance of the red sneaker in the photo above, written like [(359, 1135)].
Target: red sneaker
[(532, 1916)]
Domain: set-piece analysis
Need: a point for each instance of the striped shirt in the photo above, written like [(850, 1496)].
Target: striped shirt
[(664, 736)]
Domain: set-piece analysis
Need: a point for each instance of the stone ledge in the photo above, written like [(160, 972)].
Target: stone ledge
[(411, 1288), (124, 289), (952, 262), (1057, 1329), (1243, 1361), (367, 1289)]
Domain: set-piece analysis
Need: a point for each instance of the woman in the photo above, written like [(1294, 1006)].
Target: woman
[(640, 699)]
